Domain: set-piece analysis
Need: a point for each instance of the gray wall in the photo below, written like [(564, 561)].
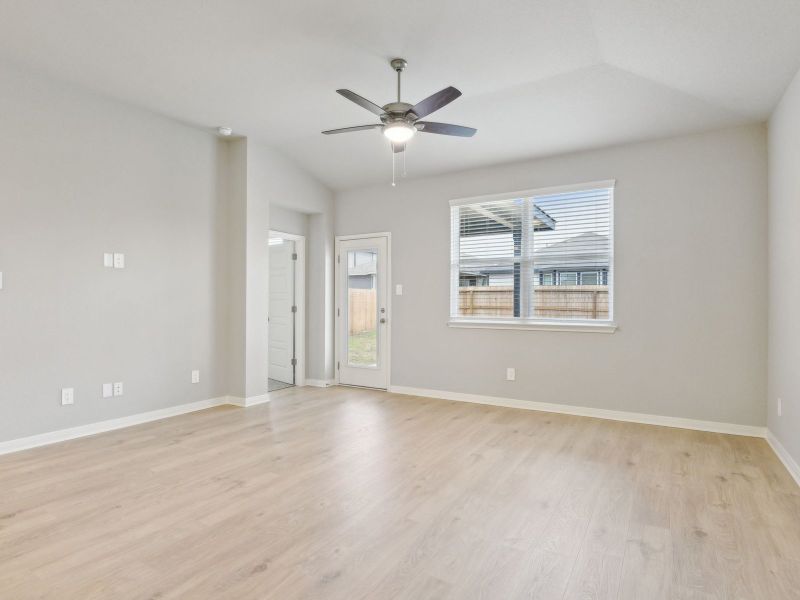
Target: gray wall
[(784, 270), (81, 175), (286, 220), (690, 283)]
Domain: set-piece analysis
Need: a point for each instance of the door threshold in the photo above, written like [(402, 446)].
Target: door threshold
[(362, 387)]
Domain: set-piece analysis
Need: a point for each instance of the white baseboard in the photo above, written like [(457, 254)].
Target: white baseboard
[(788, 461), (249, 401), (62, 435), (599, 413), (319, 382)]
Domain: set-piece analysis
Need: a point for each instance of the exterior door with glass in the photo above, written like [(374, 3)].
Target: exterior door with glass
[(362, 312)]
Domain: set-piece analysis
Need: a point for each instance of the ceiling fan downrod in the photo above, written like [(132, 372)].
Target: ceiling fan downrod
[(398, 64)]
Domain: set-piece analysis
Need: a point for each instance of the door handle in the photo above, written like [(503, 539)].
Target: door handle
[(383, 320)]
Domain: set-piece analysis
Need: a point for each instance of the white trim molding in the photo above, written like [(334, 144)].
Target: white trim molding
[(783, 455), (550, 325), (62, 435), (249, 401), (583, 411), (320, 382)]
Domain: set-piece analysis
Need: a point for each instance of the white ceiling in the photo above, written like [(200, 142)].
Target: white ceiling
[(538, 76)]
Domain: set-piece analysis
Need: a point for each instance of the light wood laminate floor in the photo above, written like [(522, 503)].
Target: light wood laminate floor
[(353, 494)]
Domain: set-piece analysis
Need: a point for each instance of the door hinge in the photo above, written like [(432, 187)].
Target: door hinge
[(294, 255), (338, 366), (294, 362), (339, 258), (338, 313), (294, 309)]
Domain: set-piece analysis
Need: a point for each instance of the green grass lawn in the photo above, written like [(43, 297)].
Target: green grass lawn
[(362, 348)]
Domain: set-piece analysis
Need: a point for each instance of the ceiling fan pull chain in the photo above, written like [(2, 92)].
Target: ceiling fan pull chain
[(404, 162), (393, 161)]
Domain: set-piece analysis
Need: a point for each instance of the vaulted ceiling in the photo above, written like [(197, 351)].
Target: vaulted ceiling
[(539, 77)]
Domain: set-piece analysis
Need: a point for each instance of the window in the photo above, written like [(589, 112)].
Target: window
[(567, 278), (543, 257)]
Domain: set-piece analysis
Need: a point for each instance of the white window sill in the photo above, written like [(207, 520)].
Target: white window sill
[(549, 325)]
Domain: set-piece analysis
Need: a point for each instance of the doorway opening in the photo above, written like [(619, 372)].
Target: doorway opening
[(286, 319)]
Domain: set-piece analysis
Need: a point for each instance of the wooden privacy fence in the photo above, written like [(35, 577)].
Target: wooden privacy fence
[(551, 301), (363, 310)]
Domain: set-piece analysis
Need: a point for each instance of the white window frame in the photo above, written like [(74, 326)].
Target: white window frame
[(577, 325)]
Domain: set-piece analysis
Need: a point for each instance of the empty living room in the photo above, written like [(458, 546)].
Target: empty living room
[(360, 300)]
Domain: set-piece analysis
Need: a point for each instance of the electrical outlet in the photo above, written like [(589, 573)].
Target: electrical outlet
[(108, 390), (195, 376), (67, 396), (511, 374), (118, 388), (780, 407), (119, 260)]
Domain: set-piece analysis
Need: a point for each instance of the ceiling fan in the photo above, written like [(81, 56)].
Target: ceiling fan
[(401, 120)]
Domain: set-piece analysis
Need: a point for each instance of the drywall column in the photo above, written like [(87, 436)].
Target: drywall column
[(319, 347), (236, 190), (248, 269), (257, 288)]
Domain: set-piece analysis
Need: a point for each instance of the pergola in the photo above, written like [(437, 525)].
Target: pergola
[(504, 218)]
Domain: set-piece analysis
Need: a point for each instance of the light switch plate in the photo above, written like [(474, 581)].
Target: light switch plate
[(108, 259), (1, 280), (195, 376), (511, 374), (119, 260), (398, 289), (67, 396), (118, 389), (108, 390)]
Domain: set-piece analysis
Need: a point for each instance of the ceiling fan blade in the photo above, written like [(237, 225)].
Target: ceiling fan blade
[(356, 128), (363, 102), (435, 102), (398, 147), (445, 128)]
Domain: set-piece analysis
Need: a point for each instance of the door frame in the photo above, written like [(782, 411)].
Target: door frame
[(300, 303), (337, 293)]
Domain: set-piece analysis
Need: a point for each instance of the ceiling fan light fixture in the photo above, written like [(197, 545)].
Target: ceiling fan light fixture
[(399, 132)]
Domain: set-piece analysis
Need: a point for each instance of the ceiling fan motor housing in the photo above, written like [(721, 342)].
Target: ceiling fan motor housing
[(398, 111)]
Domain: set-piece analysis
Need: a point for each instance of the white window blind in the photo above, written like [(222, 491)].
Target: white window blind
[(543, 255)]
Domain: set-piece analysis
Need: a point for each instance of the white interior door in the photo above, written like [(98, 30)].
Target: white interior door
[(363, 312), (281, 316)]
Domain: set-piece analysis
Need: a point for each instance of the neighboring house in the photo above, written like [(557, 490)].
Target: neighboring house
[(361, 270), (580, 260)]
